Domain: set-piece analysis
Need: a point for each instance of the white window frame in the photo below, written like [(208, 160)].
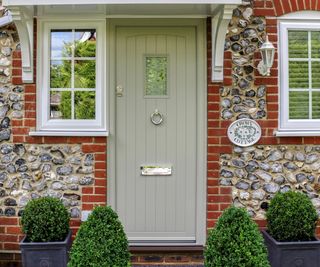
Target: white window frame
[(47, 126), (290, 127)]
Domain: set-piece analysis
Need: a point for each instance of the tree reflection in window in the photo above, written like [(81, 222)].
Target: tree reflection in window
[(73, 74)]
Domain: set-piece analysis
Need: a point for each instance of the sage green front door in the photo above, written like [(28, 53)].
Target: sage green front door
[(156, 133)]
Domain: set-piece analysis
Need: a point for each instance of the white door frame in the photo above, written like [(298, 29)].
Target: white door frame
[(201, 191)]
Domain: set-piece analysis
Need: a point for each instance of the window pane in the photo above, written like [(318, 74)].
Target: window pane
[(84, 74), (298, 44), (85, 104), (85, 43), (60, 74), (315, 44), (298, 74), (315, 74), (61, 43), (315, 105), (156, 76), (60, 105), (298, 105)]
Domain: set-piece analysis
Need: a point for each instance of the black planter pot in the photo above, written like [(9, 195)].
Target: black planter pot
[(49, 254), (291, 254)]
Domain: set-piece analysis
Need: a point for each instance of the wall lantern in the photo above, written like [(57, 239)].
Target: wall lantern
[(267, 51)]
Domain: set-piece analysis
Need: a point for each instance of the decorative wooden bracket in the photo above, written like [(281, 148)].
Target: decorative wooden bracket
[(220, 21), (23, 19)]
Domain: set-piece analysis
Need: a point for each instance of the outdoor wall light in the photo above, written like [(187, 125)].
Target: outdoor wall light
[(267, 51)]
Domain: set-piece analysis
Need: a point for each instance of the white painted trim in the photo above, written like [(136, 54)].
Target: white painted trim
[(201, 205), (43, 76), (65, 133), (219, 23), (301, 15), (296, 133), (120, 2), (288, 126), (23, 19)]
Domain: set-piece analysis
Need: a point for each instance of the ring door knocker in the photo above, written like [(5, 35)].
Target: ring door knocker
[(156, 117)]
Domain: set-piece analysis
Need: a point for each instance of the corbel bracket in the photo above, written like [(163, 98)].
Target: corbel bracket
[(219, 23), (23, 19)]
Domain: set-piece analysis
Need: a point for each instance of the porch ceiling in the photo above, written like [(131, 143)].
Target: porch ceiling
[(24, 11)]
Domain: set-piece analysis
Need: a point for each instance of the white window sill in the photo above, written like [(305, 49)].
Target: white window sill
[(288, 133), (53, 133)]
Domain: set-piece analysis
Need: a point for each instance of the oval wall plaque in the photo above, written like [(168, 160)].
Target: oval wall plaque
[(244, 132)]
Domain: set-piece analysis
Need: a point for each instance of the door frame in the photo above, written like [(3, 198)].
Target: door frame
[(201, 166)]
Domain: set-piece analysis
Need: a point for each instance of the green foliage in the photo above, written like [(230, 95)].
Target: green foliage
[(235, 242), (100, 242), (291, 217), (45, 219)]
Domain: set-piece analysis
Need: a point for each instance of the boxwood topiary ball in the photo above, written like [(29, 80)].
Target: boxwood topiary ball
[(100, 241), (235, 241), (45, 220), (291, 216)]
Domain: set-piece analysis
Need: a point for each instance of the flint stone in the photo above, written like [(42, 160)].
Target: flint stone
[(226, 174), (227, 114), (290, 177), (11, 168), (288, 155), (285, 188), (311, 178), (5, 123), (6, 149), (71, 196), (20, 162), (300, 177), (236, 47), (264, 166), (10, 202), (9, 212), (275, 155), (235, 38), (243, 84), (316, 202), (237, 203), (245, 43), (45, 157), (75, 160), (75, 213), (2, 192), (85, 170), (250, 49), (249, 33), (240, 61), (271, 188), (26, 185), (240, 108), (250, 93), (6, 51), (57, 186), (290, 166), (18, 89), (46, 167), (242, 23), (226, 103), (236, 100), (236, 12), (249, 103), (247, 13), (276, 168), (3, 177), (279, 179), (261, 91), (58, 161), (22, 168), (240, 173), (222, 181), (258, 195), (300, 156), (64, 170), (264, 175), (86, 180), (244, 196), (311, 158), (252, 177), (252, 166), (73, 187), (238, 163), (23, 201), (242, 185)]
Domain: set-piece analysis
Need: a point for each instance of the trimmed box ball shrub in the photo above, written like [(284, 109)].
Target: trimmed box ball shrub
[(291, 216), (235, 241), (100, 241), (45, 220)]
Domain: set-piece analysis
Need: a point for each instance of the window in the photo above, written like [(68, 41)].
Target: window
[(71, 71), (299, 77)]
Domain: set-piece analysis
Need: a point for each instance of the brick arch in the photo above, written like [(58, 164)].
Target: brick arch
[(282, 7)]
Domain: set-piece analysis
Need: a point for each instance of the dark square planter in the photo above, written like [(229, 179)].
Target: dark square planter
[(45, 254), (292, 254)]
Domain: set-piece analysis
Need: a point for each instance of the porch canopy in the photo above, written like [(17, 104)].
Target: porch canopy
[(23, 12)]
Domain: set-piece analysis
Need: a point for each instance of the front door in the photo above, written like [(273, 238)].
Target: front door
[(156, 133)]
